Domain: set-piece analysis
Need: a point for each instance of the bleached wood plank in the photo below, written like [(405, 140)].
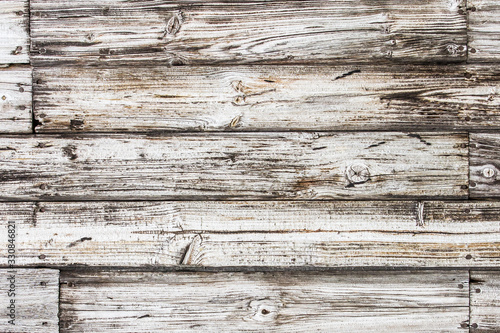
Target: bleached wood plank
[(14, 29), (235, 166), (270, 302), (15, 100), (256, 233), (207, 32), (266, 98), (484, 31), (484, 165), (30, 300), (485, 301)]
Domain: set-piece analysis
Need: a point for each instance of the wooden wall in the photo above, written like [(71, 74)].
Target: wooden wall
[(253, 166)]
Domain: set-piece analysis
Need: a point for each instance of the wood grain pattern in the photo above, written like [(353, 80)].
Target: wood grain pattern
[(271, 302), (35, 293), (243, 32), (484, 31), (253, 166), (484, 165), (15, 100), (485, 301), (14, 29), (266, 98), (256, 233)]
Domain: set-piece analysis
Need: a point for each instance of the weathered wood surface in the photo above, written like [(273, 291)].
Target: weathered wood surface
[(270, 302), (14, 29), (34, 295), (266, 98), (267, 234), (484, 31), (368, 165), (15, 100), (207, 32), (485, 301), (484, 165)]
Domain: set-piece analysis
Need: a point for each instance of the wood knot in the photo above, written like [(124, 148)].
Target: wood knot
[(489, 172), (264, 310), (357, 173), (173, 25)]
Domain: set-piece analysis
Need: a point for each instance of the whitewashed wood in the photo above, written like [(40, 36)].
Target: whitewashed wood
[(484, 165), (207, 32), (235, 166), (484, 31), (485, 301), (270, 302), (266, 98), (256, 233), (15, 100), (14, 29), (36, 300)]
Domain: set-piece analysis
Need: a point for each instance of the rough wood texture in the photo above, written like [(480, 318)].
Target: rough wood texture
[(270, 234), (242, 32), (266, 98), (484, 30), (14, 29), (270, 302), (485, 302), (15, 100), (484, 165), (238, 166), (35, 293)]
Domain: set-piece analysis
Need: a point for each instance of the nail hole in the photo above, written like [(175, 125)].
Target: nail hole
[(42, 256), (478, 291), (468, 257), (460, 286), (265, 312)]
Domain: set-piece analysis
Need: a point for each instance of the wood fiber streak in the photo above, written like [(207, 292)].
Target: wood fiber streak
[(257, 233), (84, 99), (36, 300), (243, 32), (484, 31), (271, 302), (14, 31), (484, 165), (485, 302), (15, 100), (283, 166)]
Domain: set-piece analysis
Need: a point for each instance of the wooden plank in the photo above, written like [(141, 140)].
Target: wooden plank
[(14, 28), (271, 302), (239, 166), (30, 300), (257, 233), (266, 98), (15, 100), (243, 32), (485, 301), (484, 31), (484, 165)]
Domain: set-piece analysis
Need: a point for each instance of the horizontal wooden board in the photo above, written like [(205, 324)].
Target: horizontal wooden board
[(256, 233), (484, 165), (485, 301), (14, 28), (484, 31), (30, 300), (270, 302), (266, 98), (242, 32), (368, 165), (15, 100)]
